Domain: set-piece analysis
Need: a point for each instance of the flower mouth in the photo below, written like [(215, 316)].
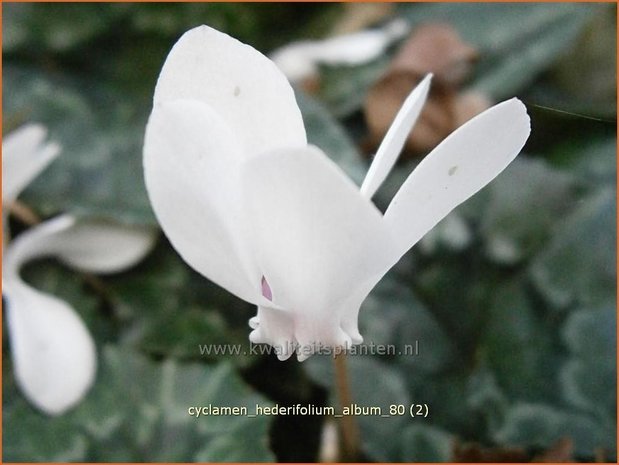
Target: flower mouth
[(266, 289)]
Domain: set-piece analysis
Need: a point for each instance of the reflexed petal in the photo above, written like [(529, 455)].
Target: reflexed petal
[(242, 86), (359, 47), (103, 246), (316, 239), (460, 166), (24, 156), (300, 60), (89, 245), (53, 354), (34, 243), (191, 165), (395, 138)]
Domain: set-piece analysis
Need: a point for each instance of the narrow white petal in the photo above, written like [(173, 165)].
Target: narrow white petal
[(191, 166), (461, 165), (299, 60), (317, 240), (243, 86), (352, 49), (395, 138), (88, 245), (53, 354), (24, 155)]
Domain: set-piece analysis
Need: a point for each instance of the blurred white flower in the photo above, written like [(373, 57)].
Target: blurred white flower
[(300, 60), (25, 153), (249, 204), (53, 353)]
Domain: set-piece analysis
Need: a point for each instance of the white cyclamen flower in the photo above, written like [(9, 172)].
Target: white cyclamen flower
[(249, 204), (300, 60), (53, 353)]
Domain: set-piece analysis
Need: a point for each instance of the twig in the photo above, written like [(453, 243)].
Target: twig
[(24, 213), (350, 431)]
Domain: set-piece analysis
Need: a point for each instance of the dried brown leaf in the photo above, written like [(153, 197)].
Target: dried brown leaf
[(435, 48), (438, 49), (476, 453), (561, 451)]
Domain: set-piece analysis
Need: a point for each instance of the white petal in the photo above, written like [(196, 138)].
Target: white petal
[(243, 86), (352, 49), (88, 245), (460, 166), (274, 327), (53, 354), (103, 246), (191, 166), (316, 239), (395, 138), (296, 60), (24, 156), (299, 60), (36, 242)]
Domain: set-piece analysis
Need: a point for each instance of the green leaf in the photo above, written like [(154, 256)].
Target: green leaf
[(324, 131), (538, 36), (343, 88), (99, 170), (597, 163), (590, 333), (590, 376), (446, 396), (579, 267), (422, 443), (539, 425), (518, 345), (61, 28), (486, 399), (451, 234), (263, 26), (138, 411), (525, 202), (516, 42), (56, 27), (379, 435), (148, 403), (393, 316), (167, 309), (248, 441), (29, 436), (457, 290), (158, 283), (583, 80), (53, 278)]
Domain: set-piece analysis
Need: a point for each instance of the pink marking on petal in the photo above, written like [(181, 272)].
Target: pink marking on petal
[(266, 289)]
